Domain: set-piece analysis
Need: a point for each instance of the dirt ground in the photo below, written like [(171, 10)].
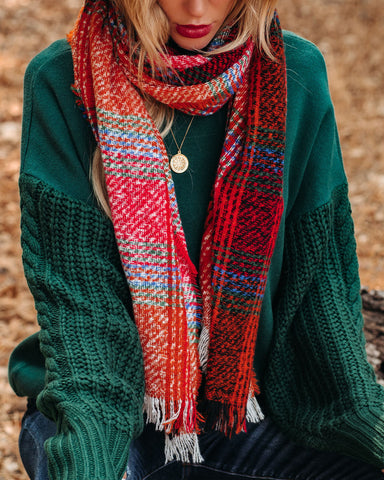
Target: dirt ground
[(351, 36)]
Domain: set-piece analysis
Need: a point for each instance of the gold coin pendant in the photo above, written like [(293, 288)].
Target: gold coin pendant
[(179, 163)]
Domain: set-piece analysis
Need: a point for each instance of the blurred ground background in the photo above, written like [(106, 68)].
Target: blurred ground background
[(351, 36)]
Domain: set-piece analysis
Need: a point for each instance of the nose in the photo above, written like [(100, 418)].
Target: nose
[(195, 8)]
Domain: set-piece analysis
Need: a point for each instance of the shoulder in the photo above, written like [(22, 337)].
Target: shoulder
[(303, 57), (48, 79), (313, 163), (302, 53), (309, 99), (53, 62), (306, 72), (57, 142)]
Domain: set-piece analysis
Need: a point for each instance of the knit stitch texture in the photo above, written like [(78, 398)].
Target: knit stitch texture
[(319, 385), (94, 381)]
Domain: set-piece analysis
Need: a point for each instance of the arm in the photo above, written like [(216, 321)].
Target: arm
[(94, 375), (94, 379), (319, 386)]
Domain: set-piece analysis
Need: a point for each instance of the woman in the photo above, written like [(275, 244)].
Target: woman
[(194, 277)]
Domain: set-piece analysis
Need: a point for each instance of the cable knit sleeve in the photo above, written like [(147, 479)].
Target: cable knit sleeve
[(319, 386), (94, 380)]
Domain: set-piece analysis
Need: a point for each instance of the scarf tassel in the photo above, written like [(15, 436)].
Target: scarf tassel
[(172, 418), (231, 419), (254, 412), (183, 448)]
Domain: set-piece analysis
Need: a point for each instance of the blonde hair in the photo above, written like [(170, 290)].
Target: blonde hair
[(148, 27)]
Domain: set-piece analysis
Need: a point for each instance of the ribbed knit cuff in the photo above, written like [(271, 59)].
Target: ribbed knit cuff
[(364, 430), (102, 448)]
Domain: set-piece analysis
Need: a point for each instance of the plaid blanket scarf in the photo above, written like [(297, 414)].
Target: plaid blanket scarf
[(197, 329)]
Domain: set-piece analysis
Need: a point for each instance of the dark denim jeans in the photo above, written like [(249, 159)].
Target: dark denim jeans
[(263, 453), (35, 429)]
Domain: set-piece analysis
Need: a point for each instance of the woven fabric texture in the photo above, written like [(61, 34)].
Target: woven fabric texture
[(188, 323)]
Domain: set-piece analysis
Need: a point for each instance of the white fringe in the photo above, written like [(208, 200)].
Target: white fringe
[(184, 448), (203, 348), (155, 411), (154, 408), (254, 413)]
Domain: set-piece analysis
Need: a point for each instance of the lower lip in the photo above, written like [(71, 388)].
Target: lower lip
[(193, 31)]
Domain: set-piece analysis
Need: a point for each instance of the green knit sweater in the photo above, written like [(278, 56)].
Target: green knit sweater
[(315, 379)]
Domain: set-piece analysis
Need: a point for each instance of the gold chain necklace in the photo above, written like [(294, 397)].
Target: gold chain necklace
[(179, 163)]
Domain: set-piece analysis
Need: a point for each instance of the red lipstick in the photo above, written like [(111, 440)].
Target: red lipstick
[(193, 31)]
